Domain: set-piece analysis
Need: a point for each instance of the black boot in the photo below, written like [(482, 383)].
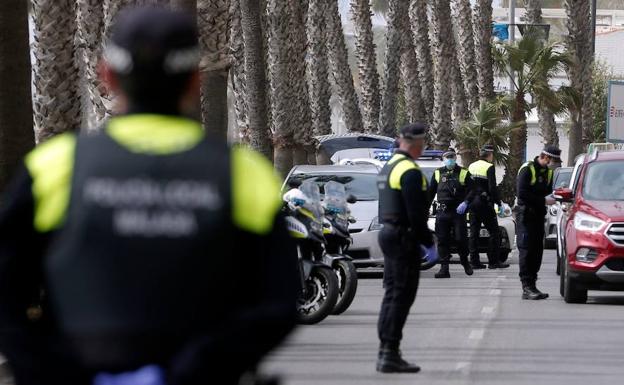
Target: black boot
[(477, 265), (390, 361), (498, 265), (529, 291), (467, 268), (444, 271)]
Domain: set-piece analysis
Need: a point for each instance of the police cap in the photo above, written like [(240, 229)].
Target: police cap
[(154, 41), (413, 131), (449, 154), (552, 151)]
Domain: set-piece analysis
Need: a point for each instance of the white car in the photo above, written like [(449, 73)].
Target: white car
[(561, 178)]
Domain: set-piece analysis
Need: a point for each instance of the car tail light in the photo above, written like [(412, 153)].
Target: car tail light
[(586, 255)]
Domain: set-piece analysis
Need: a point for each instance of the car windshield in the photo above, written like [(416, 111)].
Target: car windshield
[(604, 181), (362, 186), (562, 179)]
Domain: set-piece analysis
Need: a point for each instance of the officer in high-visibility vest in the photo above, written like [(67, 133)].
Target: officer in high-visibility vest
[(403, 211), (453, 186), (535, 180), (161, 251), (482, 210)]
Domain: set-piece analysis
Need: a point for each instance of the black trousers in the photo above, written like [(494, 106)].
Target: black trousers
[(401, 275), (530, 223), (484, 214), (450, 227)]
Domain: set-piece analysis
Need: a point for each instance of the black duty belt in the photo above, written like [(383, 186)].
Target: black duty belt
[(447, 206)]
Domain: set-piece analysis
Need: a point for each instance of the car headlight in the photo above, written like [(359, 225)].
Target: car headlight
[(375, 225), (586, 222), (554, 210)]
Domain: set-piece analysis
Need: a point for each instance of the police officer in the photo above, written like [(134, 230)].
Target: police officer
[(482, 210), (403, 211), (453, 186), (535, 180), (161, 251)]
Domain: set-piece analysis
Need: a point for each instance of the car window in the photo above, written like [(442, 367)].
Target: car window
[(604, 181), (362, 186), (576, 174), (562, 179)]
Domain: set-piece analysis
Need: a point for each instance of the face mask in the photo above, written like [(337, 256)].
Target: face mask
[(449, 163)]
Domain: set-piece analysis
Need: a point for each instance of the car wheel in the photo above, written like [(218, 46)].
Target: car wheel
[(561, 268), (573, 292), (558, 269)]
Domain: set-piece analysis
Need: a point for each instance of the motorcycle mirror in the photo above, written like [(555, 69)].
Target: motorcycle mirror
[(351, 199), (352, 220)]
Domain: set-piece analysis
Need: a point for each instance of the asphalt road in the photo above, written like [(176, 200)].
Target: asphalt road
[(467, 330)]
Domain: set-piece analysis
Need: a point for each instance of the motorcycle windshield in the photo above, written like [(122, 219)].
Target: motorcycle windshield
[(335, 197), (313, 195)]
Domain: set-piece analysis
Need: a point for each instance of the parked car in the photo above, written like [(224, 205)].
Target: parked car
[(592, 228), (561, 178)]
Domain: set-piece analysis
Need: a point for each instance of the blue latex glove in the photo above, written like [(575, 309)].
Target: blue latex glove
[(431, 254), (147, 375), (461, 209)]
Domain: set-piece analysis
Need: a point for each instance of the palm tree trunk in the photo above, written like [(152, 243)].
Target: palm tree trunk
[(16, 116), (304, 131), (483, 38), (90, 30), (517, 149), (339, 61), (460, 108), (255, 97), (57, 102), (366, 55), (280, 55), (396, 30), (213, 22), (443, 66), (420, 32), (578, 24), (466, 51), (414, 104), (237, 72), (318, 70), (546, 118)]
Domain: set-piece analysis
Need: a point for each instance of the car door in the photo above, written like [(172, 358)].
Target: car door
[(564, 213)]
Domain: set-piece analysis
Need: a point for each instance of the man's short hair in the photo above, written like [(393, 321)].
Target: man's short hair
[(413, 131)]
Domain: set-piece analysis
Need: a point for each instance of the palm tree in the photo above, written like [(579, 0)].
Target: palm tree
[(56, 100), (485, 127), (534, 64), (466, 51), (280, 60), (443, 66), (255, 97), (339, 61), (90, 30), (420, 32), (397, 28), (580, 72), (546, 117), (318, 79), (237, 71), (16, 117), (482, 21), (414, 105), (214, 30), (301, 116), (367, 63)]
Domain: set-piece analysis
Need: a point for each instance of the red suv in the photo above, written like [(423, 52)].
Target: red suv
[(592, 226)]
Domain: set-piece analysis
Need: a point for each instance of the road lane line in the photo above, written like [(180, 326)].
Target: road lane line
[(487, 310), (496, 292), (477, 334), (463, 366)]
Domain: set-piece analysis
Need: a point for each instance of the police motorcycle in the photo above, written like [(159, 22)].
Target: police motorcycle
[(304, 220), (336, 231)]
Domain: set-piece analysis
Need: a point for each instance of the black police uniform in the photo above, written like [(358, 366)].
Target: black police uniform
[(153, 242), (534, 184), (452, 186), (403, 210), (481, 211)]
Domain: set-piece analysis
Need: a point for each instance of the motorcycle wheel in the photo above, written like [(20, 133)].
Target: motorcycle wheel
[(319, 297), (347, 285)]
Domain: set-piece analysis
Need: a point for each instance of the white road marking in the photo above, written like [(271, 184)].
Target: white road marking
[(495, 292), (463, 366), (476, 334), (487, 310)]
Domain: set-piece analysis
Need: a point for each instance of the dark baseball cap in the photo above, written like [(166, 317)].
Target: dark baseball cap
[(413, 131), (552, 151), (450, 153), (155, 41)]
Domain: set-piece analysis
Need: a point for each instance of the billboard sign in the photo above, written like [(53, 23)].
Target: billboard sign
[(615, 112)]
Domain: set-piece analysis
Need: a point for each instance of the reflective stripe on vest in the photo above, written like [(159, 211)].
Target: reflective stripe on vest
[(403, 164), (531, 167), (463, 173), (479, 169)]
